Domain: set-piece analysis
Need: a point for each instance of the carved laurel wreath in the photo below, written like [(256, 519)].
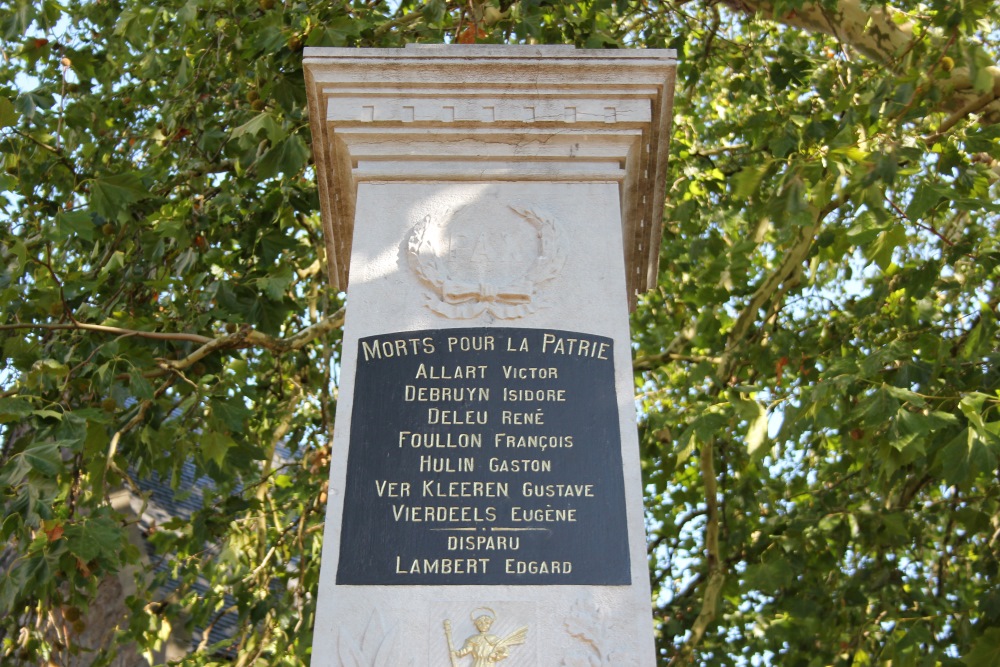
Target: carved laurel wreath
[(456, 298)]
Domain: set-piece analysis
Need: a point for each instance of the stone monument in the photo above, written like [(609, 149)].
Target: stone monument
[(494, 210)]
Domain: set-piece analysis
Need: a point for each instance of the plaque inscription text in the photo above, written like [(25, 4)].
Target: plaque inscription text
[(484, 456)]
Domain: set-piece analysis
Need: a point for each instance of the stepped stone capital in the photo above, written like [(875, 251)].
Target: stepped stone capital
[(461, 113)]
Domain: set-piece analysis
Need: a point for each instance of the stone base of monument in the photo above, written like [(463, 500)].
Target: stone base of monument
[(495, 210)]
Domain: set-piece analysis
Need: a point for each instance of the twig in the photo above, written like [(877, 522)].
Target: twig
[(117, 331), (55, 277), (62, 104), (207, 632), (97, 348), (398, 22), (927, 228), (280, 431), (58, 152), (139, 417), (793, 258), (719, 150), (649, 362)]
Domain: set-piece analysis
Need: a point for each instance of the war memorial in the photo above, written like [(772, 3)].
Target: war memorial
[(492, 213)]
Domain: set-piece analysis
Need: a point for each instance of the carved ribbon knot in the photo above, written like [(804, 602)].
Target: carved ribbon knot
[(455, 292)]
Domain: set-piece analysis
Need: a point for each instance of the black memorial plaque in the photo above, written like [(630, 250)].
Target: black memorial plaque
[(484, 456)]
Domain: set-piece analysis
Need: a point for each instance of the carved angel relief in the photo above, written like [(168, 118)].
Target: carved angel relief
[(599, 644), (376, 647), (475, 265)]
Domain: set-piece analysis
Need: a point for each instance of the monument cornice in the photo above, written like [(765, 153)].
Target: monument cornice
[(493, 113)]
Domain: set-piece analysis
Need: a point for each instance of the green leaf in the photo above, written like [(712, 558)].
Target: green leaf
[(925, 198), (939, 419), (172, 228), (115, 262), (276, 284), (140, 386), (973, 341), (25, 105), (74, 223), (189, 12), (986, 650), (51, 367), (912, 423), (984, 80), (20, 252), (881, 250), (263, 122), (10, 587), (879, 407), (967, 456), (94, 538), (232, 414), (707, 424), (13, 409), (8, 116), (110, 195), (286, 157), (747, 180), (865, 228), (44, 458), (214, 446), (72, 430), (273, 244), (769, 575), (853, 153), (909, 430), (756, 416), (971, 406), (433, 10), (905, 395)]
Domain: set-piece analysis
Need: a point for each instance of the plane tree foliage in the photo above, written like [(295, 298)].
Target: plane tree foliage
[(816, 370)]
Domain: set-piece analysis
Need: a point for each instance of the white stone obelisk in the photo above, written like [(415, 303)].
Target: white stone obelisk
[(495, 210)]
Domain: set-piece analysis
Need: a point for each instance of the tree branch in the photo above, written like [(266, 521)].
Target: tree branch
[(971, 107), (871, 31), (790, 265), (716, 569), (247, 337), (874, 32), (793, 259), (766, 292)]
